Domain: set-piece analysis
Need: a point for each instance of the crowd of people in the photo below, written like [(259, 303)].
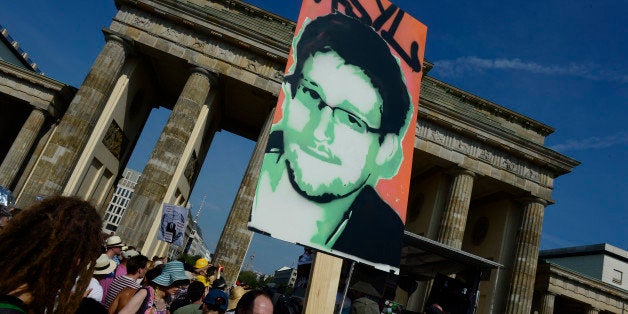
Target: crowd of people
[(56, 260)]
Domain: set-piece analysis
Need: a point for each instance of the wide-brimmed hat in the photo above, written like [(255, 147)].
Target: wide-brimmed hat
[(104, 265), (173, 271), (129, 253), (365, 288), (217, 297), (235, 295), (114, 241)]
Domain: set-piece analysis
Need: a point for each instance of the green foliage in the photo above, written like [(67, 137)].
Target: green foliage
[(188, 259), (250, 278)]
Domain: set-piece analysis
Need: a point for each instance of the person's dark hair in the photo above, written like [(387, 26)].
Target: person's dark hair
[(287, 305), (248, 299), (46, 248), (359, 45), (219, 283), (215, 307), (196, 290), (152, 274), (134, 264)]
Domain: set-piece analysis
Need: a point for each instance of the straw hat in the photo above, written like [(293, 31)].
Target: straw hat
[(173, 271), (129, 253), (104, 265), (114, 241), (365, 288), (235, 295)]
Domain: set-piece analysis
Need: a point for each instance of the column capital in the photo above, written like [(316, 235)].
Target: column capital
[(211, 75), (43, 111), (527, 200), (125, 42), (457, 170)]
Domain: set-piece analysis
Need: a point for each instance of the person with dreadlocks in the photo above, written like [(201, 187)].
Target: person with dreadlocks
[(47, 250)]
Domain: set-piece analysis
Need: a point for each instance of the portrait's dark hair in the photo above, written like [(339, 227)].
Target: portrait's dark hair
[(45, 249), (359, 45), (248, 299), (134, 264)]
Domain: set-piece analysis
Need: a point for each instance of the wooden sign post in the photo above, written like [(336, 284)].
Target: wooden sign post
[(323, 284)]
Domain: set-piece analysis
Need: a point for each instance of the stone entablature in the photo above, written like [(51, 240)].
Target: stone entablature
[(482, 159), (560, 281), (38, 90), (202, 47), (478, 143)]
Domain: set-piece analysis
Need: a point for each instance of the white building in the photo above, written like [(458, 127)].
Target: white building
[(285, 276), (584, 279), (603, 262), (120, 200)]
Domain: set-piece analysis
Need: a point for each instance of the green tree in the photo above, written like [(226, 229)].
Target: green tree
[(188, 259), (250, 278)]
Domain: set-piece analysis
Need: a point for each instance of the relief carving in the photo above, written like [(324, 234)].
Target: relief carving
[(463, 146), (115, 140), (508, 164), (170, 33), (141, 21), (199, 45), (486, 155), (437, 136), (496, 158)]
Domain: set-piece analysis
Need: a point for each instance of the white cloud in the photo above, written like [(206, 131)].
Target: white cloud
[(456, 67), (592, 142)]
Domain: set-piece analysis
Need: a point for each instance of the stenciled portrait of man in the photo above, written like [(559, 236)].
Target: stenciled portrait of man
[(345, 111)]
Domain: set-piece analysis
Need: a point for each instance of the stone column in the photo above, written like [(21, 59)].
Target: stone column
[(159, 172), (455, 218), (547, 303), (21, 147), (521, 287), (57, 162), (235, 238)]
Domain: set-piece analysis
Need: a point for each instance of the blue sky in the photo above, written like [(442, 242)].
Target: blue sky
[(562, 63)]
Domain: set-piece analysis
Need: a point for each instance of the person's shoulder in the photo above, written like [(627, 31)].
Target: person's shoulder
[(189, 309)]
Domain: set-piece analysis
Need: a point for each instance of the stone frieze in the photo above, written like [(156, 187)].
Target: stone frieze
[(497, 158)]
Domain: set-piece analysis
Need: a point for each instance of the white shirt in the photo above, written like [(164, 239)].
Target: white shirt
[(97, 292)]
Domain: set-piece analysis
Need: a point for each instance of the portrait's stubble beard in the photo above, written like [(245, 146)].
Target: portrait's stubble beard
[(322, 180)]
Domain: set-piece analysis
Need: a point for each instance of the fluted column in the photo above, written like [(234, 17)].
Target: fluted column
[(455, 218), (547, 303), (160, 169), (235, 238), (521, 289), (21, 146), (57, 162)]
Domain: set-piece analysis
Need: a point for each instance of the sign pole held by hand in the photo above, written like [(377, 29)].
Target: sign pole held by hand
[(323, 284)]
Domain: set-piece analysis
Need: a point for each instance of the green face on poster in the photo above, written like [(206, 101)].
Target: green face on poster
[(344, 113)]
